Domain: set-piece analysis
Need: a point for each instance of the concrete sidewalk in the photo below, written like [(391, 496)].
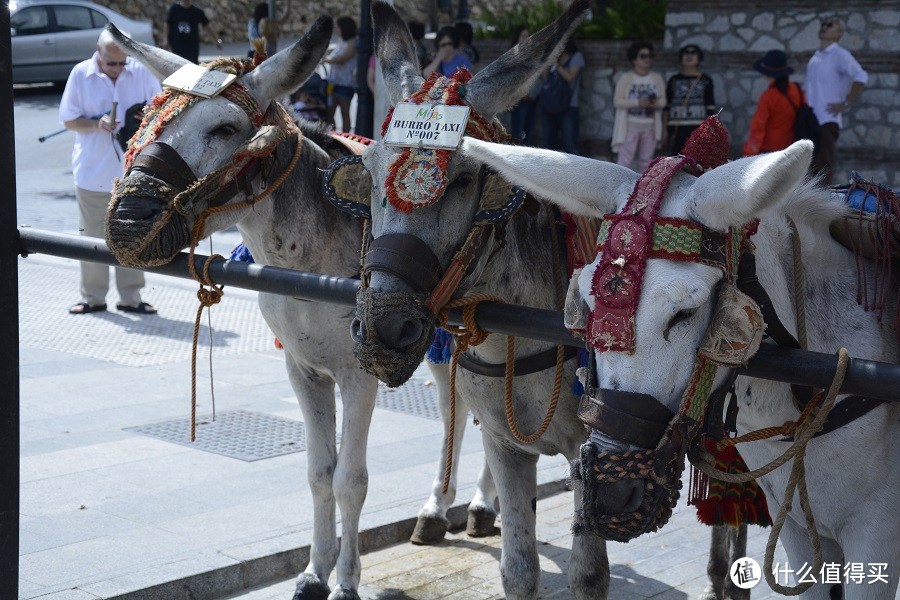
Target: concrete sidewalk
[(109, 509)]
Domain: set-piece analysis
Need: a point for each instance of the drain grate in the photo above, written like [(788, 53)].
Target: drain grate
[(412, 398), (240, 434), (251, 436)]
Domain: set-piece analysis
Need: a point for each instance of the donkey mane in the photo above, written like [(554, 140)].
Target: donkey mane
[(320, 134)]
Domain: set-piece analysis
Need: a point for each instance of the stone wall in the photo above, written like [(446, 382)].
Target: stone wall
[(733, 34)]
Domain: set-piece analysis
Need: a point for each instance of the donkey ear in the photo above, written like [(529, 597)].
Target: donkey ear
[(396, 53), (501, 84), (578, 185), (159, 62), (287, 70), (736, 192)]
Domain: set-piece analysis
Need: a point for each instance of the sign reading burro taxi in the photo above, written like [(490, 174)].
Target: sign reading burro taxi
[(436, 126)]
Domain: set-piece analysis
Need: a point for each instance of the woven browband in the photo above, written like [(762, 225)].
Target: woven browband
[(681, 240)]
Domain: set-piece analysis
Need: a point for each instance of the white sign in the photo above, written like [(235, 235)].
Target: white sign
[(429, 126), (199, 81)]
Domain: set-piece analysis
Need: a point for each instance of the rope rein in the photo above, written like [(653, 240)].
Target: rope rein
[(804, 430), (471, 335)]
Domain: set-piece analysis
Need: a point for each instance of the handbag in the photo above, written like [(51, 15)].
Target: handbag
[(806, 125)]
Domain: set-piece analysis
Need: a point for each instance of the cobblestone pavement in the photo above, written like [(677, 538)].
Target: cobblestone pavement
[(667, 565)]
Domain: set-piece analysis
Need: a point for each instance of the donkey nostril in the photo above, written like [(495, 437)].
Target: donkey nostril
[(358, 331), (136, 209), (410, 332)]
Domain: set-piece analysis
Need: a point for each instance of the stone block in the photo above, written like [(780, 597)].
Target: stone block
[(849, 138), (717, 25), (704, 41), (764, 21), (894, 117), (868, 114), (879, 97), (676, 19), (787, 33), (806, 39), (738, 18), (886, 18), (856, 22), (764, 43), (748, 33), (884, 40), (731, 43), (887, 80), (853, 42), (786, 20)]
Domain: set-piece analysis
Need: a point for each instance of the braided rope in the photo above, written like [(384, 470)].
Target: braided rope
[(213, 295), (796, 482)]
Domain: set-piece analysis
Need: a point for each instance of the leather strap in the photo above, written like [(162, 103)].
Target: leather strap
[(846, 411), (638, 419), (748, 283), (163, 162), (522, 366), (406, 257)]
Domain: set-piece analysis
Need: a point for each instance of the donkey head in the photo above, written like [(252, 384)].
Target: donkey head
[(676, 297), (395, 322), (185, 139)]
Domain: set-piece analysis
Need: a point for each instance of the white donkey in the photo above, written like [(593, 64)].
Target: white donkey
[(853, 473), (297, 228)]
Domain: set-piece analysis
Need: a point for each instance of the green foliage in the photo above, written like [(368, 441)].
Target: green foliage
[(616, 20)]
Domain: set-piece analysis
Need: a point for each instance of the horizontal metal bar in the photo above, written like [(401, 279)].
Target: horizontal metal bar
[(871, 378)]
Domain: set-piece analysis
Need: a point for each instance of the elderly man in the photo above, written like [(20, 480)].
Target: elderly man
[(834, 80), (97, 160)]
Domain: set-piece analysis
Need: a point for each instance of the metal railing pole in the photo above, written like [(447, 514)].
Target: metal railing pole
[(872, 378), (9, 328)]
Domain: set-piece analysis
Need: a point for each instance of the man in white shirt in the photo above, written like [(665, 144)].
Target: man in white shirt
[(834, 80), (97, 159)]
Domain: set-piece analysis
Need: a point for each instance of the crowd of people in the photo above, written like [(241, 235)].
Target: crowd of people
[(652, 117)]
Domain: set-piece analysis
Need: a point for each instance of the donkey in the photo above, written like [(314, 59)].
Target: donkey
[(297, 228), (852, 474), (392, 327)]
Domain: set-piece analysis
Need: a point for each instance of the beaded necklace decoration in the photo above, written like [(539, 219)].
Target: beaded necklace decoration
[(418, 176)]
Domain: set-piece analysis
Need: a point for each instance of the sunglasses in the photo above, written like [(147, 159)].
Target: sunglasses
[(644, 55), (828, 24), (113, 63), (690, 51)]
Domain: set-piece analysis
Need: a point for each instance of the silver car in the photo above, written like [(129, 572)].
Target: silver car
[(49, 37)]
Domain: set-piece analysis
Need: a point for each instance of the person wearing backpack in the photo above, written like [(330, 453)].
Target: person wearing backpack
[(639, 98), (834, 80), (558, 101), (773, 123)]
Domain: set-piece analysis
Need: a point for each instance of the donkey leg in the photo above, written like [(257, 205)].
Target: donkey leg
[(432, 521), (515, 474), (351, 477), (718, 564), (589, 562), (799, 552), (316, 396), (482, 514), (737, 548), (871, 541)]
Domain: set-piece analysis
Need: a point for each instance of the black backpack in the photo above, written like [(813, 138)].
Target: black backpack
[(556, 95), (806, 125)]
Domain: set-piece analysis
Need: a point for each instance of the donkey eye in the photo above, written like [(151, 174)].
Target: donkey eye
[(680, 317), (463, 180), (224, 130)]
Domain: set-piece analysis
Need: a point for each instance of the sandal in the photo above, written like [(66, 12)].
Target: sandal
[(82, 308), (143, 308)]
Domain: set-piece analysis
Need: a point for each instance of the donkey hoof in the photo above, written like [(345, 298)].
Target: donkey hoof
[(342, 593), (428, 531), (310, 588), (481, 523)]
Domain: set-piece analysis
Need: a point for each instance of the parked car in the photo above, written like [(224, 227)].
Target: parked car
[(49, 37)]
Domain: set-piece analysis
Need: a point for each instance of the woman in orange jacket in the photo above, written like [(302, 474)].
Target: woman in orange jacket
[(772, 125)]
